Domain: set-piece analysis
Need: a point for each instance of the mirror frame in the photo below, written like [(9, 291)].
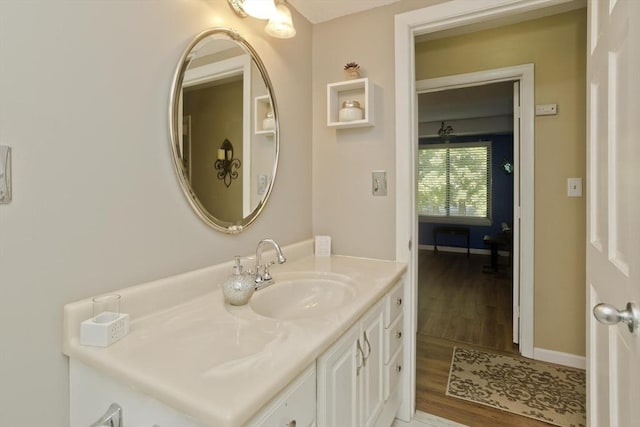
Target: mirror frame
[(174, 119)]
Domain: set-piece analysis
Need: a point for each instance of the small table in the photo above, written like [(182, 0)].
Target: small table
[(451, 230), (495, 242)]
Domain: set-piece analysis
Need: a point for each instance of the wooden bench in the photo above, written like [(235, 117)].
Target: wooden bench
[(451, 230)]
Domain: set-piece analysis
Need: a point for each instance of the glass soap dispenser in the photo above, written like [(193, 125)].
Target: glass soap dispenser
[(239, 286)]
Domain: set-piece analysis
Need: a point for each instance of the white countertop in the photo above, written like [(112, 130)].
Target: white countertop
[(217, 363)]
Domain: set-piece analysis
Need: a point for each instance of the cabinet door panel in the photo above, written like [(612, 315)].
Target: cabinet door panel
[(338, 383), (372, 396)]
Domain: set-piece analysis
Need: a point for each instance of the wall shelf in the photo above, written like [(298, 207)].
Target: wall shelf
[(262, 105), (360, 90)]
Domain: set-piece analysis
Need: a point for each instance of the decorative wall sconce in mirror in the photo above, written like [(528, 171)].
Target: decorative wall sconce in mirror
[(226, 165), (280, 23)]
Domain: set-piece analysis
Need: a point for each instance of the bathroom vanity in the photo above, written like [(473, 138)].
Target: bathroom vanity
[(323, 346)]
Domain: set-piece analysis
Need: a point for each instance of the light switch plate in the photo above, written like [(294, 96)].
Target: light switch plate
[(379, 183), (262, 184), (5, 174), (574, 187)]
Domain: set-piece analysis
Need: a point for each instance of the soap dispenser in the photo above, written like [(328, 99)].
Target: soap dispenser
[(239, 287)]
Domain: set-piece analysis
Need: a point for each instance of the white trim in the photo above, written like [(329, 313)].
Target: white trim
[(422, 419), (450, 14), (559, 358)]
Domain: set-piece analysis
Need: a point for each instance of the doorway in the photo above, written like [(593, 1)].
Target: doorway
[(409, 25), (466, 204), (466, 177)]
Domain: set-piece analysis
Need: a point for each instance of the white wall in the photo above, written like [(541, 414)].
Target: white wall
[(84, 91), (343, 206)]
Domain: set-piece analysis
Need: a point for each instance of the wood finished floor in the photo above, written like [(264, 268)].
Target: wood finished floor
[(459, 305)]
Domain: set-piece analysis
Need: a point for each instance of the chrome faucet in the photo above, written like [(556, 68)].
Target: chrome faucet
[(263, 278)]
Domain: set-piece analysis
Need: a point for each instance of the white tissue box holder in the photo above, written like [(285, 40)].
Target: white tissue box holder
[(103, 334), (323, 246)]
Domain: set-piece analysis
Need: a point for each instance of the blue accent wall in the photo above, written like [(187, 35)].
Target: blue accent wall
[(502, 195)]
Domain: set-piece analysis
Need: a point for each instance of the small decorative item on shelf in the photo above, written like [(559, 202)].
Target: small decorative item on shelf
[(268, 123), (352, 70), (226, 165), (350, 111)]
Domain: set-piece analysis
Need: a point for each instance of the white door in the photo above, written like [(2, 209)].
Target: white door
[(613, 210)]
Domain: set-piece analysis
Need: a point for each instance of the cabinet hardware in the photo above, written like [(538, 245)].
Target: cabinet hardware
[(399, 301), (366, 341), (398, 368), (358, 365), (291, 424), (111, 418), (399, 334)]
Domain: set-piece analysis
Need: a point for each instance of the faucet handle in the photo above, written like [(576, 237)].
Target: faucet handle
[(267, 275)]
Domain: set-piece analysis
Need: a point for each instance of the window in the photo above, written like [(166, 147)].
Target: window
[(454, 182)]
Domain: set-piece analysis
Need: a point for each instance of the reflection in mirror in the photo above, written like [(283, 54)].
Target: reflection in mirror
[(224, 129)]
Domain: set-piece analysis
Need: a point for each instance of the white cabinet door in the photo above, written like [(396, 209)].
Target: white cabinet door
[(351, 375), (372, 374), (337, 389)]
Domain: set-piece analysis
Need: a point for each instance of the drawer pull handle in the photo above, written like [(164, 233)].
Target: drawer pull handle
[(399, 301), (111, 418), (291, 424), (398, 368), (399, 334), (364, 359), (366, 341)]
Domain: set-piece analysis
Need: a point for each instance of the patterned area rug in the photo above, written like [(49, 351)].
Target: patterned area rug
[(549, 393)]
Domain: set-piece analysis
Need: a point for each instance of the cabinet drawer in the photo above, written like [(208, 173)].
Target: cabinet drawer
[(392, 373), (394, 303), (295, 406), (393, 337)]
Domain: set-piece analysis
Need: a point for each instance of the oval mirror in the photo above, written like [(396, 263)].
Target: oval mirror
[(224, 129)]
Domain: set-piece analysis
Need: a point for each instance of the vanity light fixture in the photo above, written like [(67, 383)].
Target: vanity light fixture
[(226, 165), (261, 9), (280, 24)]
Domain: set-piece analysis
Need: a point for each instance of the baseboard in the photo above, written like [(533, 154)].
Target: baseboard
[(458, 249), (559, 358), (422, 419)]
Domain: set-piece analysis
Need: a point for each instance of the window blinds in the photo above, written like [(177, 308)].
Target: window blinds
[(454, 180)]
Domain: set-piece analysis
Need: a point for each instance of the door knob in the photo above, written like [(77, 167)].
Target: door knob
[(609, 315)]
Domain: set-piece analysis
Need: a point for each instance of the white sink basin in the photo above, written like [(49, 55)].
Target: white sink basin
[(303, 295)]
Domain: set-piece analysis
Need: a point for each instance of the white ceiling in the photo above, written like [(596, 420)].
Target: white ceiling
[(317, 11)]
